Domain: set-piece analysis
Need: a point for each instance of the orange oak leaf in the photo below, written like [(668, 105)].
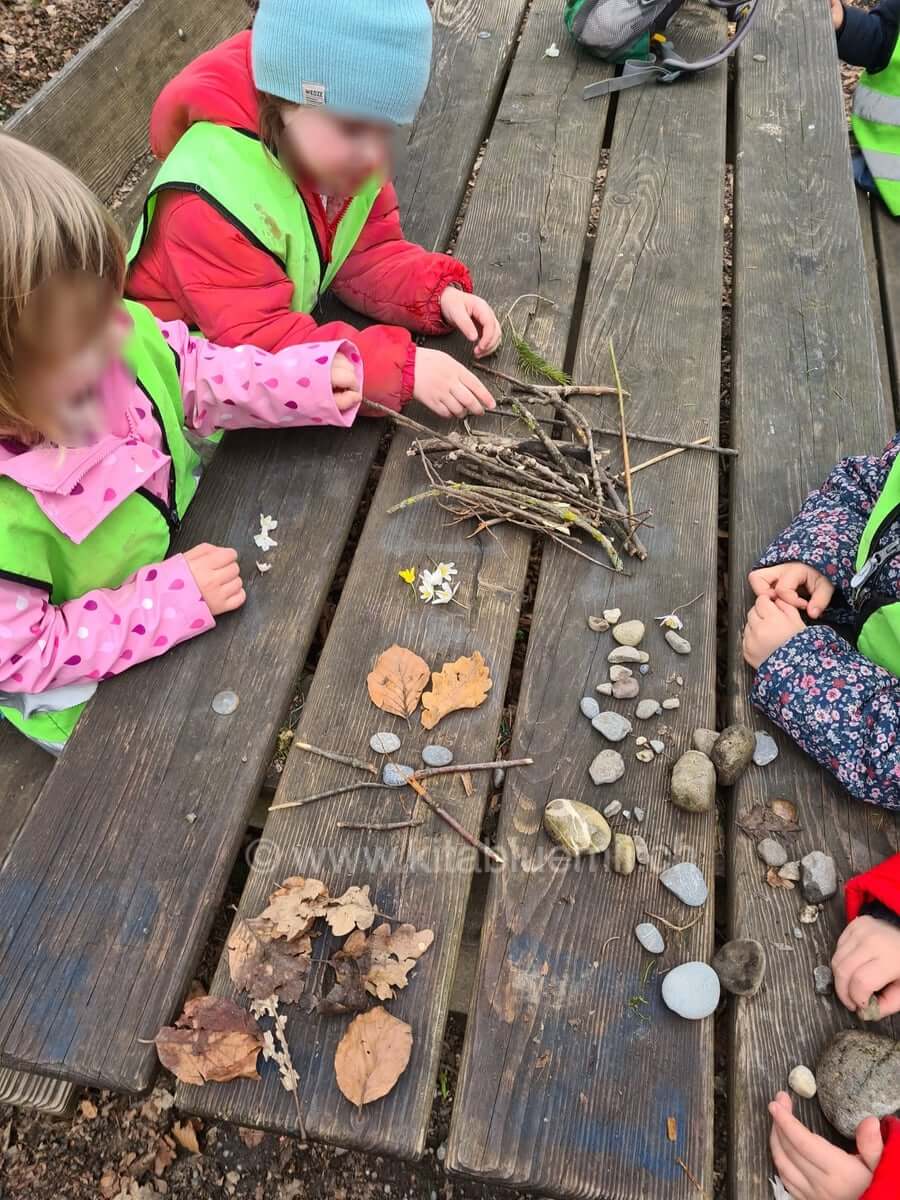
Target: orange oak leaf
[(461, 684), (397, 681)]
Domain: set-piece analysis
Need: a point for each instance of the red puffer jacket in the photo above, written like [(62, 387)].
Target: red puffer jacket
[(882, 883), (197, 267)]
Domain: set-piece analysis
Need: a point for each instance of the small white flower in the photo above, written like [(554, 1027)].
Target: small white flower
[(445, 571), (671, 621), (552, 51), (262, 567), (445, 594), (426, 587), (262, 539)]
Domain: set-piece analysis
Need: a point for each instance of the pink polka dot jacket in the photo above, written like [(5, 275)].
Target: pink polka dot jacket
[(63, 631), (841, 708)]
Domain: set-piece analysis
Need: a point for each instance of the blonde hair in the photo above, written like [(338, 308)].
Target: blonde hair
[(51, 225)]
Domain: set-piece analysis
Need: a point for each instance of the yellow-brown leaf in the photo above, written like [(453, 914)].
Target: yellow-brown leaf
[(397, 681), (372, 1055), (461, 684), (213, 1040)]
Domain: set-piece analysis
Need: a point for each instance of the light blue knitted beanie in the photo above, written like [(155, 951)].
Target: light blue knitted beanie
[(362, 58)]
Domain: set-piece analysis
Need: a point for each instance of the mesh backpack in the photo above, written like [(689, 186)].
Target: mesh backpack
[(633, 32)]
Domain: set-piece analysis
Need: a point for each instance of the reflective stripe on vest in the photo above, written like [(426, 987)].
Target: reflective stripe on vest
[(237, 175), (878, 629), (876, 127)]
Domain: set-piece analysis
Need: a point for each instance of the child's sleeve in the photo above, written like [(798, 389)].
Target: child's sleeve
[(885, 1184), (827, 531), (881, 885), (102, 633), (243, 387), (867, 38), (840, 708)]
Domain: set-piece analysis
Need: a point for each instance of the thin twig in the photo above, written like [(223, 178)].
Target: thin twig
[(727, 451), (608, 942), (626, 457), (341, 791), (687, 1172), (465, 768), (548, 389), (651, 462), (347, 759), (682, 607), (453, 823), (669, 925), (391, 825)]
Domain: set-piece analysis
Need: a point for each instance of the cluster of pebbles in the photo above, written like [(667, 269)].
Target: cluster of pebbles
[(396, 774)]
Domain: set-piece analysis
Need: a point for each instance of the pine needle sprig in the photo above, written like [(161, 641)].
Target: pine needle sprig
[(532, 363)]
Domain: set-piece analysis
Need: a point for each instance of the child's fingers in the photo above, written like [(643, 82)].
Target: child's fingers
[(865, 982), (464, 323), (821, 597), (791, 596), (469, 402), (761, 581), (478, 390), (889, 999), (232, 603), (869, 1142), (790, 1174)]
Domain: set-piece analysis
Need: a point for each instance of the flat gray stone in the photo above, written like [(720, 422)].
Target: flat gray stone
[(818, 877), (613, 726), (607, 767), (740, 966), (671, 704), (396, 774), (225, 703), (626, 689), (692, 990), (641, 850), (639, 815), (858, 1077), (650, 938), (384, 743), (437, 756), (704, 740), (629, 633), (693, 786), (823, 980), (604, 689), (772, 852), (627, 654), (647, 709), (589, 707), (620, 672), (678, 643), (613, 808), (766, 750), (657, 746), (685, 880)]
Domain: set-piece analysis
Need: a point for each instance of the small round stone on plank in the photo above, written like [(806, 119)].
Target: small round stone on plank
[(225, 703)]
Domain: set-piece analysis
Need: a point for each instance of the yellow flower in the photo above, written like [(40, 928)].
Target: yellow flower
[(409, 576)]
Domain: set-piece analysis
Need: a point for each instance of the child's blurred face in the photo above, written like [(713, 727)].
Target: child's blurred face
[(70, 332), (340, 154)]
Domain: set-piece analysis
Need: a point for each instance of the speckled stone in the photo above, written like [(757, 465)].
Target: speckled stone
[(704, 740), (818, 877), (626, 689), (858, 1077), (772, 852), (679, 644), (629, 633), (437, 756), (384, 743), (686, 881), (693, 786), (396, 774), (607, 767), (647, 709), (823, 980), (650, 938), (613, 726), (623, 855)]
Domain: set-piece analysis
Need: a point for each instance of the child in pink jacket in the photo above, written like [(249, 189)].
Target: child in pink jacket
[(95, 469)]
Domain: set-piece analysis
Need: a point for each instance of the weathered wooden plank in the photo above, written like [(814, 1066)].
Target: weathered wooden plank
[(25, 770), (566, 1083), (887, 250), (868, 209), (93, 115), (524, 232), (807, 390)]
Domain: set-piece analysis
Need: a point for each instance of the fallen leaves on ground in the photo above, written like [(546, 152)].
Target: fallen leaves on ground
[(461, 684), (185, 1134), (372, 1055), (762, 820), (774, 880), (294, 907), (165, 1155), (262, 964), (384, 958), (214, 1040), (353, 910), (88, 1110), (397, 681)]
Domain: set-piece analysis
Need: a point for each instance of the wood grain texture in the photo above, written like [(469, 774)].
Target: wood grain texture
[(25, 770), (807, 390), (524, 232), (868, 209), (108, 892), (886, 236), (93, 115), (565, 1089)]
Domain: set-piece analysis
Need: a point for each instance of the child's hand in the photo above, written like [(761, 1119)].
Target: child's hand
[(474, 318), (866, 962), (344, 383), (447, 388), (813, 1169), (837, 14), (770, 623), (218, 576), (784, 582)]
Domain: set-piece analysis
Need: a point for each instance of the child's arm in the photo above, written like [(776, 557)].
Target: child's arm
[(246, 388), (840, 708), (866, 962), (867, 38), (102, 633)]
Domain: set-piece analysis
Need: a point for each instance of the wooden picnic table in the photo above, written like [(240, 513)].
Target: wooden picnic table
[(112, 863)]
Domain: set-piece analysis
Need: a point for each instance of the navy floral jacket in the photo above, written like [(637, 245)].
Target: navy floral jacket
[(839, 707)]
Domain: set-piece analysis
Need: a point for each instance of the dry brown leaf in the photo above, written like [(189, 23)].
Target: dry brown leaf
[(264, 965), (774, 880), (461, 684), (251, 1137), (785, 810), (88, 1110), (762, 820), (348, 993), (185, 1134), (397, 681), (164, 1156), (372, 1055), (294, 907), (672, 1129), (213, 1040), (385, 958), (353, 910)]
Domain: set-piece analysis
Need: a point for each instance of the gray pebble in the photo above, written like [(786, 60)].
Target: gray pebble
[(823, 980), (626, 689), (686, 881), (498, 778), (650, 938), (613, 726), (607, 767), (693, 786), (692, 990), (646, 755), (589, 707), (790, 871), (818, 877), (619, 672), (704, 740), (384, 743), (639, 815), (759, 58), (612, 615), (798, 932), (766, 750), (396, 774), (644, 669), (647, 709), (679, 644), (802, 1081), (627, 654), (225, 703), (598, 624), (859, 1077), (437, 756), (612, 809), (604, 689), (657, 746), (629, 633), (772, 852), (740, 966), (672, 703), (641, 850)]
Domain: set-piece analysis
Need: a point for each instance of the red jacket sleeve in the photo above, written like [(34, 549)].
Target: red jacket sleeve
[(886, 1182), (882, 883), (393, 280), (239, 295)]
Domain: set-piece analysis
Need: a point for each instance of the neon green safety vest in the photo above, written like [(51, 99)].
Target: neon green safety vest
[(236, 174), (135, 534), (876, 127), (877, 613)]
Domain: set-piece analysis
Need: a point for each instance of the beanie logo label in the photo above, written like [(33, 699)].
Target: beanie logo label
[(314, 93)]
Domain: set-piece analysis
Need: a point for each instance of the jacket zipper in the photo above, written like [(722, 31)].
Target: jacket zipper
[(168, 510)]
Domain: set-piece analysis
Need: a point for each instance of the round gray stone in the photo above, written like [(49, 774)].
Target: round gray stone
[(626, 689), (589, 707), (766, 750), (679, 644), (647, 709), (859, 1077), (437, 756), (384, 743), (607, 767), (396, 774), (225, 703), (644, 669), (818, 877), (650, 938), (692, 990), (740, 966), (693, 786), (629, 633), (613, 726), (685, 880), (823, 980), (772, 852)]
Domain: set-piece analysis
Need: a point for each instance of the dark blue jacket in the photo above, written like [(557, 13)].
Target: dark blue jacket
[(867, 39)]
